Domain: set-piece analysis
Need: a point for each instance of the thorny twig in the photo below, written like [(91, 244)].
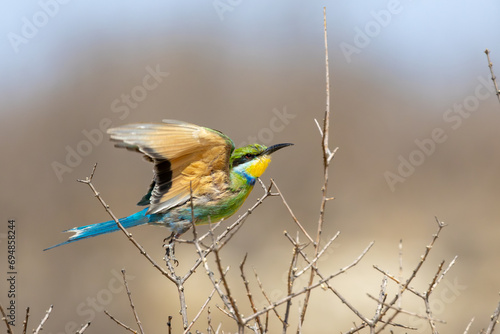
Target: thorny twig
[(4, 318), (40, 326), (234, 306), (327, 157), (129, 294), (287, 298), (25, 322), (141, 249), (292, 275), (222, 239), (249, 293), (493, 77), (200, 311), (169, 324), (84, 327), (381, 300), (401, 310), (119, 322), (468, 326), (292, 214), (259, 282), (406, 285), (341, 271), (494, 320)]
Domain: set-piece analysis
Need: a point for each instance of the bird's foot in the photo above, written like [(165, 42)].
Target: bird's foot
[(169, 245)]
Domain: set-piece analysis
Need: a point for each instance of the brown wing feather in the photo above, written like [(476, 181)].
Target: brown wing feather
[(184, 155)]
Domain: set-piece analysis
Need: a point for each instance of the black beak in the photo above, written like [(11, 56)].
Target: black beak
[(274, 148)]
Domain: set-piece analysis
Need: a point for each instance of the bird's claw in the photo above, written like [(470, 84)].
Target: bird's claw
[(170, 253), (170, 249)]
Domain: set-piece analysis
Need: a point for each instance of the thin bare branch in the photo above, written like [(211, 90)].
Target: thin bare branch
[(356, 328), (84, 327), (406, 285), (447, 269), (291, 213), (199, 312), (169, 324), (120, 323), (287, 298), (25, 322), (319, 127), (494, 320), (428, 310), (327, 157), (381, 300), (401, 310), (214, 226), (326, 124), (290, 281), (129, 294), (468, 326), (259, 282), (342, 270), (234, 306), (249, 293), (141, 249), (395, 279), (4, 318), (228, 314), (226, 235), (179, 282), (433, 283), (313, 262), (216, 283), (493, 77), (400, 275), (40, 326)]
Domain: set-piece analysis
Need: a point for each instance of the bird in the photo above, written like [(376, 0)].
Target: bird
[(191, 163)]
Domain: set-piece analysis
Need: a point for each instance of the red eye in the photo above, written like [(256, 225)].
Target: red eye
[(249, 156)]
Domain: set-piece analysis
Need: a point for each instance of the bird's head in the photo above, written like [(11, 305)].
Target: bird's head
[(252, 160)]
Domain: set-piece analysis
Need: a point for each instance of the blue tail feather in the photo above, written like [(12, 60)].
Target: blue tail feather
[(92, 230)]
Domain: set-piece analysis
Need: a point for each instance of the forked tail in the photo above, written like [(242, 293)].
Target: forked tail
[(92, 230)]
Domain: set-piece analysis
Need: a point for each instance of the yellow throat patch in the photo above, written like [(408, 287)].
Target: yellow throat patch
[(258, 166)]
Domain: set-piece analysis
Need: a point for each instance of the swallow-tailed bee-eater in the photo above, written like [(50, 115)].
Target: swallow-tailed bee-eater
[(190, 163)]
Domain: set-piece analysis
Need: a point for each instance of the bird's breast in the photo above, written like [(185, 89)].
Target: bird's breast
[(258, 166)]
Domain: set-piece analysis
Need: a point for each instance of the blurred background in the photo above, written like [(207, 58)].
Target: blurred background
[(413, 112)]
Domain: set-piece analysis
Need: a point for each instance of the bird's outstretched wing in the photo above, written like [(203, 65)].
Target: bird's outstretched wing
[(185, 156)]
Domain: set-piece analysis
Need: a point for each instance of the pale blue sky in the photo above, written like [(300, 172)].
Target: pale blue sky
[(421, 37)]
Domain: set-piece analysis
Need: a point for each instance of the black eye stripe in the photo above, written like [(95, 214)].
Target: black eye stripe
[(243, 159)]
